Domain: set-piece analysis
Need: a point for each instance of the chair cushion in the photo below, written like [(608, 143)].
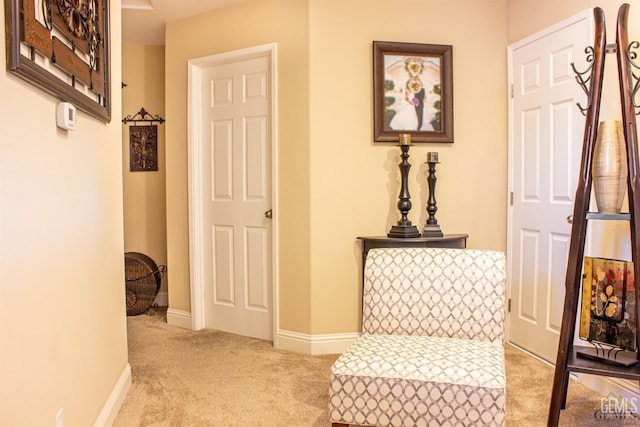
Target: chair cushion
[(388, 380), (457, 293)]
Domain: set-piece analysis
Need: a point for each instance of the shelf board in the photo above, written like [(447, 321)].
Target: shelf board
[(594, 367), (609, 216)]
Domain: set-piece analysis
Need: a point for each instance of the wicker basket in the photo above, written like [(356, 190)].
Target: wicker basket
[(142, 282)]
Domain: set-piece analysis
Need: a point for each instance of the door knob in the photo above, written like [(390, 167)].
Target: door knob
[(570, 219), (269, 214)]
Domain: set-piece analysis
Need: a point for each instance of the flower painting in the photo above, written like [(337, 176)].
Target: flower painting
[(608, 303)]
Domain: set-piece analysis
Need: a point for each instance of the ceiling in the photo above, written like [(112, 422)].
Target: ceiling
[(143, 21)]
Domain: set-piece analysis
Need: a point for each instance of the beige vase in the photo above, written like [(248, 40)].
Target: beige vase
[(609, 169)]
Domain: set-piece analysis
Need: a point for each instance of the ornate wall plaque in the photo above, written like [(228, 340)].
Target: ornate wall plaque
[(143, 148), (62, 47)]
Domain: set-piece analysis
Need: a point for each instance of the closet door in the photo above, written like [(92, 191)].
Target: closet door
[(544, 153)]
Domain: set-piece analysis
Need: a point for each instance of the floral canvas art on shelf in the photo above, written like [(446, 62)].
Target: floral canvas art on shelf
[(608, 303)]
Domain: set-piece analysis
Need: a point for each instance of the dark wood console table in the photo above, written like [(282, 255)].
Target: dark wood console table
[(447, 241)]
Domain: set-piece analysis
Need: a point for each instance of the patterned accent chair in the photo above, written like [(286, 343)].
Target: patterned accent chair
[(431, 351)]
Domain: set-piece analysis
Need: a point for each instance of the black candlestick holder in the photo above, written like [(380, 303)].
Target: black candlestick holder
[(404, 228), (431, 228)]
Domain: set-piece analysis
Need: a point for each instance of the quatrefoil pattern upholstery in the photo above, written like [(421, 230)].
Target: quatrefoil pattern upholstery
[(431, 352), (438, 292)]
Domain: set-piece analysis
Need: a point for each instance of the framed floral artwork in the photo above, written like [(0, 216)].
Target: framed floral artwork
[(62, 47), (608, 311), (412, 91)]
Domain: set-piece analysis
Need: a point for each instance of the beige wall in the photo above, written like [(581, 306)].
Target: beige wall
[(249, 24), (355, 182), (145, 225), (335, 183), (526, 17), (62, 312)]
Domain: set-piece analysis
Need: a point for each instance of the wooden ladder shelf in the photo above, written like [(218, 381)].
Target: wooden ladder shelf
[(567, 360)]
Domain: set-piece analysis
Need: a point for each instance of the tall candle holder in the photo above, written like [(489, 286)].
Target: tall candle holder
[(404, 228), (431, 228)]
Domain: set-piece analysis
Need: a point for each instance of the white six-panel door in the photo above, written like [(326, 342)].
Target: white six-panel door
[(234, 196), (545, 146)]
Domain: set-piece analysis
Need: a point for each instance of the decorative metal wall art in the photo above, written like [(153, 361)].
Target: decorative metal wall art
[(143, 141), (62, 47), (142, 116), (143, 148)]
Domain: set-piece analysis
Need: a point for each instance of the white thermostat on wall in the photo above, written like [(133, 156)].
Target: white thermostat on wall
[(66, 116)]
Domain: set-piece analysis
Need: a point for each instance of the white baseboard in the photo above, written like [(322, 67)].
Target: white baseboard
[(606, 385), (314, 344), (162, 299), (179, 318), (284, 340), (110, 409)]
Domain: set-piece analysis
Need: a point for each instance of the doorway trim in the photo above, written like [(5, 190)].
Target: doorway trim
[(194, 174)]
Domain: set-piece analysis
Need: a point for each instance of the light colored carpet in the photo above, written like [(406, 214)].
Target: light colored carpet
[(212, 378)]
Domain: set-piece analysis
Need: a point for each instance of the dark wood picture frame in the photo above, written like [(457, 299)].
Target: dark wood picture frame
[(412, 91), (62, 47)]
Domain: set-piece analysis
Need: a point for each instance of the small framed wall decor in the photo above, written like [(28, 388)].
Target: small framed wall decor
[(62, 47), (143, 148), (412, 91)]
